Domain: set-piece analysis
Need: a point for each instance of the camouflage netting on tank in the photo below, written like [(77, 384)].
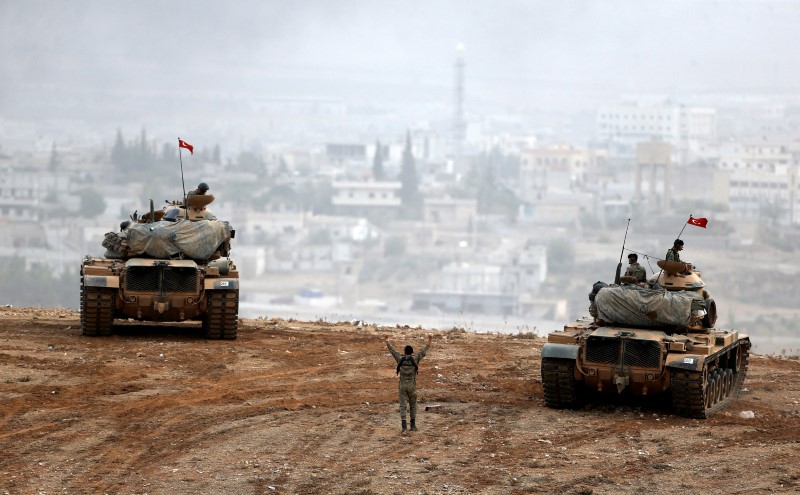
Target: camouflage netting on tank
[(634, 306), (195, 240)]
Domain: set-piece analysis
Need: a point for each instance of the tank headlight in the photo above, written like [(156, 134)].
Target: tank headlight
[(591, 371), (132, 299), (651, 376), (189, 300)]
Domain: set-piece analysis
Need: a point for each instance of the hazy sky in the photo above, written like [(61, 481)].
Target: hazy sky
[(516, 50)]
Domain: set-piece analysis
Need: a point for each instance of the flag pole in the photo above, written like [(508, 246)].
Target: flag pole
[(684, 226), (183, 185)]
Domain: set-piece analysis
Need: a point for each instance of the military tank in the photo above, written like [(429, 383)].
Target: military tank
[(168, 265), (645, 340)]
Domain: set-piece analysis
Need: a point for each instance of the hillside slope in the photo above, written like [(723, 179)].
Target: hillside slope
[(311, 408)]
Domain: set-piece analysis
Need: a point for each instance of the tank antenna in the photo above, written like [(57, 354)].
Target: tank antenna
[(621, 253), (183, 185)]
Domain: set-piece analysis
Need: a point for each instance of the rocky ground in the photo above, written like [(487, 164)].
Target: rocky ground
[(310, 408)]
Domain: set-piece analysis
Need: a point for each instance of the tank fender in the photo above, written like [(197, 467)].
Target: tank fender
[(691, 362), (560, 351), (221, 284), (100, 281)]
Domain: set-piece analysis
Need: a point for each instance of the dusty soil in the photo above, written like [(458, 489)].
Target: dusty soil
[(311, 408)]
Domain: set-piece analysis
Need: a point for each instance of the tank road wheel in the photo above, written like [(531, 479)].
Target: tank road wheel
[(719, 385), (700, 394), (728, 382), (97, 310), (711, 391), (558, 382), (222, 316)]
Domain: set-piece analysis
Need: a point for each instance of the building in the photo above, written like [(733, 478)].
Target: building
[(24, 193), (685, 128), (504, 284), (762, 178), (459, 214), (377, 201), (560, 167)]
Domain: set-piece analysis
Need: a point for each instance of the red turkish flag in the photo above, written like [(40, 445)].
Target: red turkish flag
[(184, 144), (697, 222)]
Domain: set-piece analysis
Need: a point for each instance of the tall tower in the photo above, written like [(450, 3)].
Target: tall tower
[(459, 126)]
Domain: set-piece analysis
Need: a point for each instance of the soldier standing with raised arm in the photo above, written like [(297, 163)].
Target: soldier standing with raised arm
[(407, 368)]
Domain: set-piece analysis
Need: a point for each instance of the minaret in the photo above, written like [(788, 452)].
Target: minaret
[(459, 126)]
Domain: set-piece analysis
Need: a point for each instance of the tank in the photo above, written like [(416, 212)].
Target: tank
[(655, 338), (168, 265)]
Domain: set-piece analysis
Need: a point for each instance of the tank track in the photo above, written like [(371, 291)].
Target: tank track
[(222, 319), (699, 394), (559, 384), (97, 310)]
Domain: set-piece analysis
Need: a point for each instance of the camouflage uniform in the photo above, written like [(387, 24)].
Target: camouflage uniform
[(407, 387), (637, 271), (200, 190), (673, 255)]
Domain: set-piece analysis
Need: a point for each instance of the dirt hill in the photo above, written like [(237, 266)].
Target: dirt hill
[(311, 408)]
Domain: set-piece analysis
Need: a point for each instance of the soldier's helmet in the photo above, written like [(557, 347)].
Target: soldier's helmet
[(202, 186)]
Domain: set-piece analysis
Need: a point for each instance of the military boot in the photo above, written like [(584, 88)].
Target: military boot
[(413, 424), (403, 423)]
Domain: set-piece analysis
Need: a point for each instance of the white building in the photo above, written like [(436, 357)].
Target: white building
[(24, 193), (686, 128), (763, 177), (367, 199)]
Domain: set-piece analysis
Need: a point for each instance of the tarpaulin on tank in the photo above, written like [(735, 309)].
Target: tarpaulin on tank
[(638, 307), (195, 240)]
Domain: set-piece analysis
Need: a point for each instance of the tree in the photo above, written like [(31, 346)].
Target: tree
[(167, 154), (143, 151), (118, 152), (409, 192), (249, 162), (394, 246), (54, 160), (322, 197), (771, 212), (377, 163), (492, 195), (283, 168), (217, 155), (92, 203), (560, 256)]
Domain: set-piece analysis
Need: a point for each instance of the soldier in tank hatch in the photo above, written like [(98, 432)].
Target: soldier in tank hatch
[(634, 269), (201, 189), (673, 254)]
